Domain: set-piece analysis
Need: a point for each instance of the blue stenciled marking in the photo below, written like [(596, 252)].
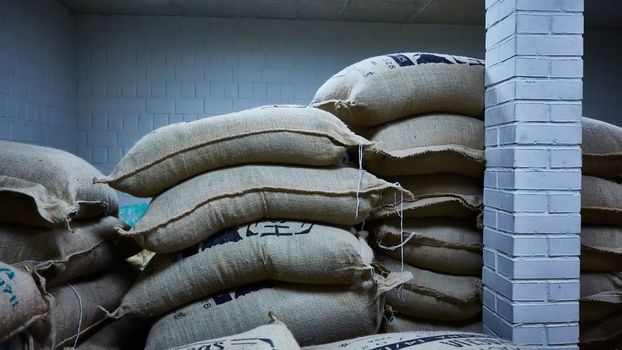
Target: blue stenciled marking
[(7, 288)]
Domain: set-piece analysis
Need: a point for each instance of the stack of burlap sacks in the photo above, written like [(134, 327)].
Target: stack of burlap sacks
[(252, 213), (423, 113), (60, 257), (601, 236), (276, 335)]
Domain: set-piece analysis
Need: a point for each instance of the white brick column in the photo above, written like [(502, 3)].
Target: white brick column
[(532, 201)]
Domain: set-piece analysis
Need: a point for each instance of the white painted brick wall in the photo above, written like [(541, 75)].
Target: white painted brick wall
[(533, 176), (137, 73), (37, 77)]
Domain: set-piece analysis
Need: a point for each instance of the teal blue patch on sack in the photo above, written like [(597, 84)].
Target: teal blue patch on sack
[(130, 214)]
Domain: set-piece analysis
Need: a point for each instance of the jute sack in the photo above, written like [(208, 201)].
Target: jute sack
[(602, 334), (427, 144), (41, 186), (448, 195), (288, 251), (126, 333), (601, 294), (274, 336), (197, 208), (601, 201), (602, 148), (22, 300), (278, 135), (421, 341), (434, 296), (601, 248), (314, 314), (380, 89), (399, 323), (60, 255), (81, 298), (437, 244)]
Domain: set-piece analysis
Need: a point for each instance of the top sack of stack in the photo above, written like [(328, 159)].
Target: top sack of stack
[(279, 134), (389, 87), (47, 187), (602, 148)]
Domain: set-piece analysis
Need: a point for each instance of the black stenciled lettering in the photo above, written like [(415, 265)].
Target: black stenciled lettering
[(179, 315), (402, 60), (278, 228), (222, 298), (253, 341), (222, 237), (430, 58), (253, 288)]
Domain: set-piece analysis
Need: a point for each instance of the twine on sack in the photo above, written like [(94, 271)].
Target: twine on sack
[(75, 343), (360, 180), (401, 216)]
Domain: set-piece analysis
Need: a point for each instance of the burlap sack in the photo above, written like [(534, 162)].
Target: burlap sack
[(434, 296), (81, 298), (427, 144), (380, 89), (601, 248), (601, 294), (437, 244), (422, 341), (286, 251), (22, 300), (601, 201), (41, 186), (448, 195), (124, 334), (602, 148), (602, 334), (199, 207), (399, 323), (278, 135), (274, 336), (314, 314), (60, 255)]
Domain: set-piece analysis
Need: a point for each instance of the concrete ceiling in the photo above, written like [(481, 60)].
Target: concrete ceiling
[(598, 13), (403, 11)]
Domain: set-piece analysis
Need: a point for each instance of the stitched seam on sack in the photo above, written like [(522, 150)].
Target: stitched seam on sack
[(432, 242), (438, 294), (228, 138)]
